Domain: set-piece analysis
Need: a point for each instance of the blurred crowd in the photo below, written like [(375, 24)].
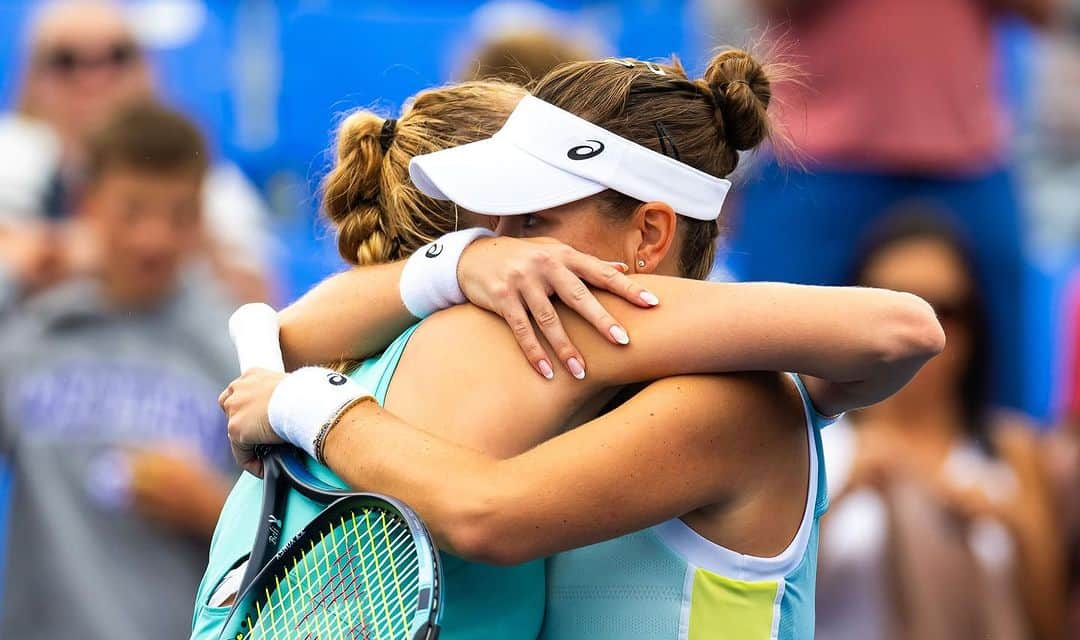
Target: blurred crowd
[(929, 146)]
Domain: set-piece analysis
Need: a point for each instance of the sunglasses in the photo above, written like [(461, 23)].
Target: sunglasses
[(65, 60), (951, 310)]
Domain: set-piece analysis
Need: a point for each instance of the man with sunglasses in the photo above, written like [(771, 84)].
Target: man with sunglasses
[(84, 63)]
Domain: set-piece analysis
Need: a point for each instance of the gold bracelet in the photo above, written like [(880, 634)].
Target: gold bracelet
[(320, 438)]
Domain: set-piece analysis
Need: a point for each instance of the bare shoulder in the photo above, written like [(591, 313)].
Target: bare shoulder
[(465, 344), (462, 376)]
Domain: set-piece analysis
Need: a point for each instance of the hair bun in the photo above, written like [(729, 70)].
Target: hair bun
[(741, 90), (351, 190)]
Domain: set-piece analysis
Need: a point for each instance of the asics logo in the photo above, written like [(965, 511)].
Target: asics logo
[(585, 151), (433, 251)]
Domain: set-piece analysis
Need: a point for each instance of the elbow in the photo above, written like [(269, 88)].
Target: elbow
[(911, 332), (479, 530)]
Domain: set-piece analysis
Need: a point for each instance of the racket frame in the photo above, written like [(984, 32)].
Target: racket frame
[(283, 468)]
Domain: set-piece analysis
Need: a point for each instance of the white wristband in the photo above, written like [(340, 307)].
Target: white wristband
[(429, 281), (307, 400)]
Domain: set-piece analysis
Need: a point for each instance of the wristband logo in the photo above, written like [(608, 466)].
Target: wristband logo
[(336, 379), (585, 151), (433, 251)]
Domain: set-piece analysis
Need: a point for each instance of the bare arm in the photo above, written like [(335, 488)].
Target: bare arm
[(181, 491), (860, 344), (856, 345), (1041, 550), (356, 313), (353, 314), (619, 473)]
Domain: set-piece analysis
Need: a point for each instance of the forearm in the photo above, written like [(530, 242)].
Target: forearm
[(1039, 572), (865, 343), (831, 398), (840, 334), (373, 450), (621, 472), (353, 314)]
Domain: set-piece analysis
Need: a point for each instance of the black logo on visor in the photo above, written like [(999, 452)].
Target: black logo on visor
[(336, 379), (584, 151), (433, 251)]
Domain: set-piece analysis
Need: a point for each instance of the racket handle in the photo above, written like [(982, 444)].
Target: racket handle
[(254, 331)]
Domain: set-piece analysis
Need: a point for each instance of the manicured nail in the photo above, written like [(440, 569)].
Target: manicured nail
[(648, 298), (619, 334), (621, 266), (545, 369), (576, 370)]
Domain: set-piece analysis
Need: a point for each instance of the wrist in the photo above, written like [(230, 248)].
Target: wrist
[(429, 281), (308, 402), (333, 447)]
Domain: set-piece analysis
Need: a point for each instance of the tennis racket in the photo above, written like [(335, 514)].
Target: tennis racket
[(364, 568)]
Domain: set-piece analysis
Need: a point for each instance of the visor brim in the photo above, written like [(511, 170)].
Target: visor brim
[(493, 177)]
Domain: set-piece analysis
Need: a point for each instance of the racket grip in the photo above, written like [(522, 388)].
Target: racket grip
[(254, 330)]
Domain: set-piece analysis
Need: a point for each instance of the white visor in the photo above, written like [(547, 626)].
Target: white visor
[(544, 157)]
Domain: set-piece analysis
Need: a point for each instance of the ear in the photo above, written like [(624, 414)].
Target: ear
[(656, 224)]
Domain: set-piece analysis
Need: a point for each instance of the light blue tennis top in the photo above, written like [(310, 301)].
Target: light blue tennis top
[(469, 588), (670, 583)]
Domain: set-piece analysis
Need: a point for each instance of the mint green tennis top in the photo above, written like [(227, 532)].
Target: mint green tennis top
[(668, 582), (479, 600)]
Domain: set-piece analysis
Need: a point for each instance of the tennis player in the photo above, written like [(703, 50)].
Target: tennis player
[(737, 457)]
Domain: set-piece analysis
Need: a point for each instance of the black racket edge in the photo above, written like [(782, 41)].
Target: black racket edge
[(282, 468), (271, 517), (429, 598)]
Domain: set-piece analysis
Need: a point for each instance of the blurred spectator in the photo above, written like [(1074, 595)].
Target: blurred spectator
[(1050, 134), (83, 63), (942, 524), (522, 56), (107, 405), (899, 101), (520, 41), (1062, 450)]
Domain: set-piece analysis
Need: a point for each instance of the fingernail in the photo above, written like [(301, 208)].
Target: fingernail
[(576, 370), (621, 266), (648, 298), (545, 369), (619, 334)]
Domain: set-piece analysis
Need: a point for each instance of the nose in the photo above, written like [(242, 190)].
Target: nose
[(156, 237)]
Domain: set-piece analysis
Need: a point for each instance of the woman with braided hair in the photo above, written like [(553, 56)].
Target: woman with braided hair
[(698, 492)]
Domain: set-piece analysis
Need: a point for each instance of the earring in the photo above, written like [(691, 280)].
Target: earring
[(640, 263)]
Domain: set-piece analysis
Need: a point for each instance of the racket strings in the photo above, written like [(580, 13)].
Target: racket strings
[(319, 596), (360, 580)]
